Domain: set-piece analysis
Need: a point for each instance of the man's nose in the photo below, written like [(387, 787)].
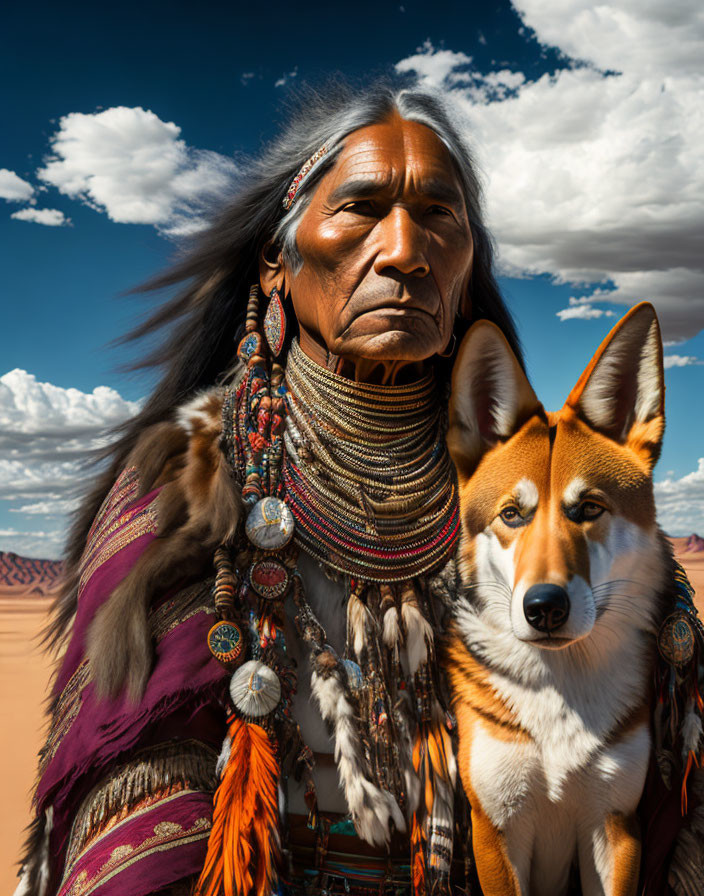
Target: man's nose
[(403, 244)]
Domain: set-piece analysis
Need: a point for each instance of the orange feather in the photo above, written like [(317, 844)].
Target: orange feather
[(418, 866), (418, 857), (243, 846)]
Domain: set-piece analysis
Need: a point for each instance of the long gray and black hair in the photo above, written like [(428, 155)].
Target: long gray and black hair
[(202, 323)]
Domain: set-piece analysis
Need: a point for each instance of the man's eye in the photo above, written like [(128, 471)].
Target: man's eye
[(439, 210), (359, 207), (512, 517)]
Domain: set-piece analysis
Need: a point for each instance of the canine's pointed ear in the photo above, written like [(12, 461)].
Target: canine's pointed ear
[(622, 392), (491, 396)]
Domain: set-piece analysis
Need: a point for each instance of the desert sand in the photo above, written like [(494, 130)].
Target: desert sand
[(24, 676)]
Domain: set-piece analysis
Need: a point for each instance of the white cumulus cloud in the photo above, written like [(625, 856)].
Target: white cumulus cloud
[(433, 66), (680, 361), (680, 502), (580, 310), (594, 174), (13, 188), (135, 167), (47, 434), (50, 217), (650, 36)]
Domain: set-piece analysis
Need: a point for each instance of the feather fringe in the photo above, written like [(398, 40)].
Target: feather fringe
[(433, 822), (419, 632), (372, 809), (243, 848), (691, 731), (358, 623)]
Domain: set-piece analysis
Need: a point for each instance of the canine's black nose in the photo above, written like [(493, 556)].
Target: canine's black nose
[(546, 607)]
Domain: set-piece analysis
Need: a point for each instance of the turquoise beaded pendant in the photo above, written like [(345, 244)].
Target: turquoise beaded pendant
[(226, 643)]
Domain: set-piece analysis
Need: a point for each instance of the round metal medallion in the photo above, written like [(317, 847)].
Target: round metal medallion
[(269, 579), (225, 642), (676, 640), (270, 524)]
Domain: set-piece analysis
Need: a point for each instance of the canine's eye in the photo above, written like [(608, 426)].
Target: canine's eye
[(589, 510), (511, 517)]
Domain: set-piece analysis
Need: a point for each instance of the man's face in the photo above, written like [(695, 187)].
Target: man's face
[(386, 247)]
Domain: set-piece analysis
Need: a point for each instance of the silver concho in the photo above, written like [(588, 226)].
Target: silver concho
[(270, 524), (255, 689)]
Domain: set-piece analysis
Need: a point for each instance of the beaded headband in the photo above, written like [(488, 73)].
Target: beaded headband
[(290, 196)]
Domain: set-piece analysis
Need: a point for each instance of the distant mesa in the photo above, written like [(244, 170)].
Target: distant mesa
[(694, 544), (27, 575)]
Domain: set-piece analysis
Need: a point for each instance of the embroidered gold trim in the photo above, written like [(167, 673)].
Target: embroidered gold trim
[(184, 605), (67, 708), (117, 525), (165, 836)]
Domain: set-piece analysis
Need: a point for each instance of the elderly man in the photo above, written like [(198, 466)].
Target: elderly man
[(294, 448), (248, 699)]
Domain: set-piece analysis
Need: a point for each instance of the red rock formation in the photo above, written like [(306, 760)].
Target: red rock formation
[(27, 574)]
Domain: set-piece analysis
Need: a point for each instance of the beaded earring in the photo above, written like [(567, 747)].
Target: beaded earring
[(275, 323)]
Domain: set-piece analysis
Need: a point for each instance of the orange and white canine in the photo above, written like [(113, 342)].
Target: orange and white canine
[(551, 652)]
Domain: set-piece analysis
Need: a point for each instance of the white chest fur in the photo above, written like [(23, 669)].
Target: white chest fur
[(549, 793)]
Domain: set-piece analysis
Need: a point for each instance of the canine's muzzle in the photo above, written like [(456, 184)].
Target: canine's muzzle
[(546, 607)]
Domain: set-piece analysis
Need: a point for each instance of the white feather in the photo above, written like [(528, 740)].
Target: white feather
[(391, 631), (357, 617), (23, 886), (224, 756), (42, 860), (372, 809), (439, 823), (419, 636), (282, 802)]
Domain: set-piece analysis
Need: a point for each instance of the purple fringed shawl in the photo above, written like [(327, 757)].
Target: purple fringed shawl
[(163, 836)]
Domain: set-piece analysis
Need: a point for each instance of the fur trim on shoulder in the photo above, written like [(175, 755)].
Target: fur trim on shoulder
[(197, 509)]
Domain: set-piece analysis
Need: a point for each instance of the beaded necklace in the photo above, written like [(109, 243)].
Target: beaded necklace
[(359, 477), (367, 475)]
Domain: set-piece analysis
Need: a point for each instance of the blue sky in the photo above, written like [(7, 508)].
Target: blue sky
[(117, 122)]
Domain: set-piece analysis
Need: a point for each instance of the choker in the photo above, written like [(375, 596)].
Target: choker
[(367, 474)]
